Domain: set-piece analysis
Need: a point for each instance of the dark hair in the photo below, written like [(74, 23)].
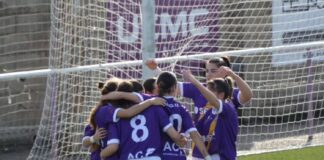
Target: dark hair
[(221, 85), (125, 86), (149, 85), (220, 61), (101, 85), (109, 86), (165, 82), (137, 86)]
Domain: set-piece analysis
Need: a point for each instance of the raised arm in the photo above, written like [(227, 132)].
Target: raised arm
[(138, 108), (210, 96), (152, 64), (246, 92)]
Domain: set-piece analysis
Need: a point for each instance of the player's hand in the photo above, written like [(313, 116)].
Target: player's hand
[(94, 147), (99, 134), (187, 76), (225, 71), (158, 101), (151, 63), (182, 142)]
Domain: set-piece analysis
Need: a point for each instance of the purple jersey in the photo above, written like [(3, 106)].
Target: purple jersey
[(113, 138), (88, 132), (143, 96), (182, 122), (219, 129), (104, 116), (188, 90), (140, 136)]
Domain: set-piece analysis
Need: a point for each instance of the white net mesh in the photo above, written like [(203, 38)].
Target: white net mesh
[(287, 82)]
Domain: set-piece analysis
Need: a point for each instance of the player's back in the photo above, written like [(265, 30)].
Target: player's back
[(182, 122), (140, 136)]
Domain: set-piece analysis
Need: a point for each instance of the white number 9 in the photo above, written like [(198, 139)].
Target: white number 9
[(176, 117)]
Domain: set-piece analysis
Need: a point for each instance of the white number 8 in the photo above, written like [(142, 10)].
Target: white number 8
[(138, 127)]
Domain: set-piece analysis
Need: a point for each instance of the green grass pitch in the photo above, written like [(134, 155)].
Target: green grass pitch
[(310, 153)]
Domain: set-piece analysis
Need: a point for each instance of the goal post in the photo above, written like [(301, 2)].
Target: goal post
[(148, 42)]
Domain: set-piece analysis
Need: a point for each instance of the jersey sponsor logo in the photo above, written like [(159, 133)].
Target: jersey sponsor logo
[(200, 110), (170, 147), (142, 154)]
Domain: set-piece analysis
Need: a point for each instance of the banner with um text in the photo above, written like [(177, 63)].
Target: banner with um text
[(182, 27)]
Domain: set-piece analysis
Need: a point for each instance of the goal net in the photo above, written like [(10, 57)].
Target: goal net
[(276, 46)]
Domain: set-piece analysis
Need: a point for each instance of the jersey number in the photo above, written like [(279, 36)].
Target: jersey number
[(139, 127), (176, 120)]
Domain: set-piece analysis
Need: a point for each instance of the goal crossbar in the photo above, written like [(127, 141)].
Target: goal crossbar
[(46, 72)]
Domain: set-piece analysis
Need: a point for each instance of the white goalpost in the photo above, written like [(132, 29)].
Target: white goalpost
[(305, 47), (277, 48)]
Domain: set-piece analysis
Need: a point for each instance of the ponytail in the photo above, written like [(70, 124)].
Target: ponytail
[(109, 86), (222, 85), (230, 85), (226, 61)]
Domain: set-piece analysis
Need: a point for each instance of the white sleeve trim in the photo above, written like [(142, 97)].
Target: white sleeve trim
[(84, 138), (167, 127), (180, 85), (220, 107), (139, 96), (115, 118), (193, 129), (238, 97), (113, 141)]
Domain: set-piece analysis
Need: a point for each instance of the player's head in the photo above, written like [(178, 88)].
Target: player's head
[(221, 87), (105, 88), (137, 86), (213, 64), (108, 86), (125, 86), (150, 86), (166, 84)]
